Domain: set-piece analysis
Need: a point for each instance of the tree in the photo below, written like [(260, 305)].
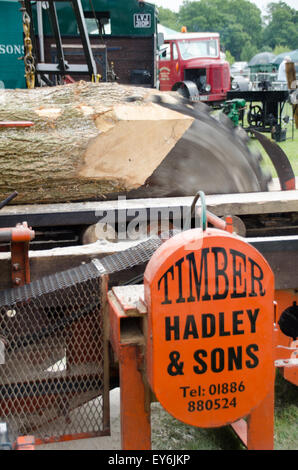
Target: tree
[(235, 39), (238, 21), (248, 52), (168, 18), (229, 57), (280, 49), (282, 26)]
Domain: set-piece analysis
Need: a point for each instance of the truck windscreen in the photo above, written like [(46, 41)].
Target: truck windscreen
[(198, 48)]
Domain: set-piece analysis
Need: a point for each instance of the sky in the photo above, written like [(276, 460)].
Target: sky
[(175, 4)]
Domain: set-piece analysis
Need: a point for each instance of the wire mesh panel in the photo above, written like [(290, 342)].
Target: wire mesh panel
[(52, 380)]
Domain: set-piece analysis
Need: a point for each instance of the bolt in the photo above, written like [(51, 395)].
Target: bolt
[(17, 281), (16, 266), (11, 313)]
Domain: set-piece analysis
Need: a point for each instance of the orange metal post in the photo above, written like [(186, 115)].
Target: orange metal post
[(126, 333), (260, 425), (134, 405), (25, 443), (240, 428), (257, 433)]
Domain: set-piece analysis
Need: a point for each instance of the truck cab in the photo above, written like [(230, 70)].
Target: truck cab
[(191, 64)]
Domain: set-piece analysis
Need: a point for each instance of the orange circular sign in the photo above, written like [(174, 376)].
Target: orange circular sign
[(210, 327)]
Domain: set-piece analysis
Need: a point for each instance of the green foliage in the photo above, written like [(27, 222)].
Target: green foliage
[(248, 52), (168, 18), (280, 49), (229, 57), (282, 27), (239, 23)]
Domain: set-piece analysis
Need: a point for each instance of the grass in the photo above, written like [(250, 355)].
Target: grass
[(286, 415), (170, 434), (289, 146)]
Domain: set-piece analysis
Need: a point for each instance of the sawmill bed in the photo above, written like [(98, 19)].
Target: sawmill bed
[(271, 213), (270, 218)]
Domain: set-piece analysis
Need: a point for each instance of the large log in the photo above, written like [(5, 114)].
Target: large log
[(88, 141)]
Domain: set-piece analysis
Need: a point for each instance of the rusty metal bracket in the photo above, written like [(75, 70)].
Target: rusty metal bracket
[(19, 238)]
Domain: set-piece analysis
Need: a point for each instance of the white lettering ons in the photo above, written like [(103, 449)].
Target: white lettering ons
[(11, 49)]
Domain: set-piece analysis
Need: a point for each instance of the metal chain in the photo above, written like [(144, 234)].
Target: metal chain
[(28, 59)]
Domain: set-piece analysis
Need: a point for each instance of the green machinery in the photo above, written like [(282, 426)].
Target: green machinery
[(234, 110)]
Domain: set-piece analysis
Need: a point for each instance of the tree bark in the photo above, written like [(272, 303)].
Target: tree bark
[(89, 141)]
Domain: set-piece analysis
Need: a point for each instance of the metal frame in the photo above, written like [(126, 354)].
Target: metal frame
[(100, 57), (63, 68), (70, 386)]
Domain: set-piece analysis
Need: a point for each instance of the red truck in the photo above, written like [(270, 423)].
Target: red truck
[(191, 64)]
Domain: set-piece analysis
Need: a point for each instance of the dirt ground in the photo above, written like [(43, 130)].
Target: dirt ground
[(112, 442)]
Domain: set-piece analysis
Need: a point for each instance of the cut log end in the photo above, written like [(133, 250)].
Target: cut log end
[(133, 142)]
